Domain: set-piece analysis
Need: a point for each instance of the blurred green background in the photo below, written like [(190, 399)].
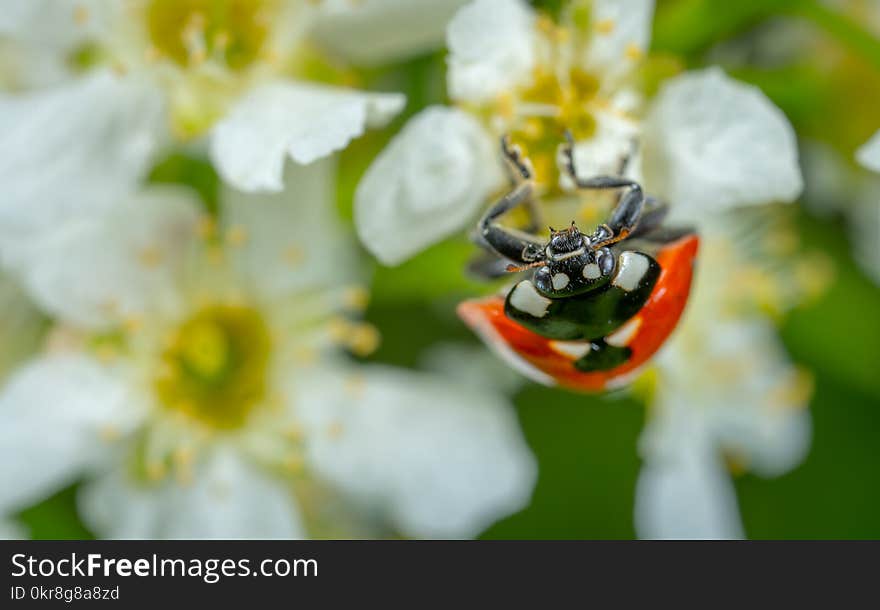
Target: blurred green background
[(827, 81)]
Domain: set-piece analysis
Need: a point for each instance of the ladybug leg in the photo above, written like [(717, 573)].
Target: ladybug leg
[(626, 213), (519, 170), (518, 246)]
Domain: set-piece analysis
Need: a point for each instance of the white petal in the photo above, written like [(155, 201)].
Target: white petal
[(72, 150), (869, 154), (122, 263), (60, 24), (764, 419), (491, 48), (227, 498), (711, 142), (610, 50), (603, 153), (690, 498), (55, 412), (375, 31), (470, 364), (306, 122), (294, 233), (683, 490), (441, 460), (38, 36), (430, 180)]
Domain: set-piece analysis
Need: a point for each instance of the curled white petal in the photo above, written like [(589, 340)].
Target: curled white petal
[(56, 413), (305, 122), (869, 154), (71, 151), (374, 31), (228, 498), (427, 183), (441, 460), (491, 48), (711, 142)]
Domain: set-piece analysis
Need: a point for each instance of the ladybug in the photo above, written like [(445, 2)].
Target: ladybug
[(594, 308)]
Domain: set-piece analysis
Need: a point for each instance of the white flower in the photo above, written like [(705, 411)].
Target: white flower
[(834, 185), (869, 154), (727, 396), (431, 195), (705, 142), (122, 77), (194, 381), (374, 31)]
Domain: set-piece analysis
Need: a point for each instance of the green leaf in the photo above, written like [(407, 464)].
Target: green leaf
[(55, 518)]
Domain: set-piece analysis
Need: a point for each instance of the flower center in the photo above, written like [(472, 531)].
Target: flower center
[(546, 108), (215, 365), (230, 32)]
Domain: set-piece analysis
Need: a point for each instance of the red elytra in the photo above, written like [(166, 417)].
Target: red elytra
[(551, 362)]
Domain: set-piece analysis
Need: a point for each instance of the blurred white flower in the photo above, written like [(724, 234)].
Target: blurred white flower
[(369, 32), (705, 142), (194, 381), (726, 397), (96, 87), (836, 186), (865, 221), (869, 154)]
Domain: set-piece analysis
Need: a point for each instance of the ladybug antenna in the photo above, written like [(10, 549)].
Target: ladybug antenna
[(517, 269)]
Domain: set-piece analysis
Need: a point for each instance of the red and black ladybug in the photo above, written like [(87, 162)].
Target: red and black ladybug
[(596, 307)]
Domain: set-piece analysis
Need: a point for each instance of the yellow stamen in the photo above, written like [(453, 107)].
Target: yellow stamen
[(356, 298), (236, 235), (634, 52), (606, 26), (150, 257)]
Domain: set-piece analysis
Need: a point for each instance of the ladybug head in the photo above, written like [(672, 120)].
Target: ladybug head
[(564, 243), (571, 265)]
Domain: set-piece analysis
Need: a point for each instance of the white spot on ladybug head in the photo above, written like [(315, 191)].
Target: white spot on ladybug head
[(624, 335), (591, 271), (526, 298), (632, 268), (559, 281)]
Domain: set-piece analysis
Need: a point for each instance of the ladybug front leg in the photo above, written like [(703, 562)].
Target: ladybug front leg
[(517, 246), (630, 205)]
